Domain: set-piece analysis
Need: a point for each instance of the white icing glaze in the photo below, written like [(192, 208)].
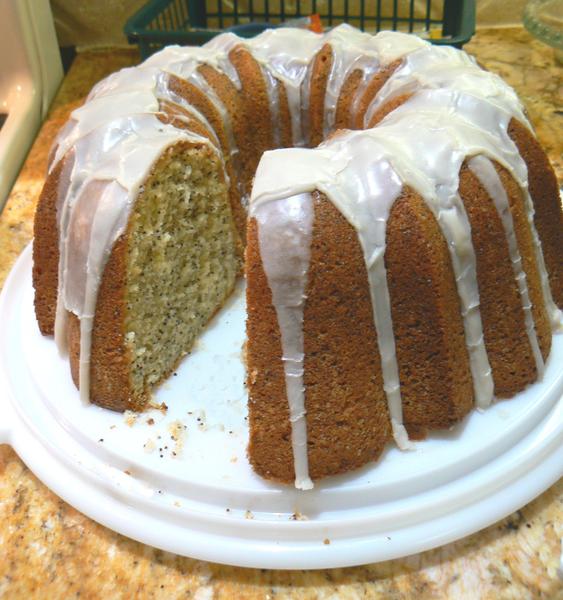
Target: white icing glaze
[(286, 54), (555, 315), (220, 46), (392, 45), (274, 101), (184, 60), (353, 50), (487, 175), (443, 67), (186, 107), (184, 63), (285, 240), (491, 119), (111, 161), (305, 134), (426, 154), (346, 58), (365, 202)]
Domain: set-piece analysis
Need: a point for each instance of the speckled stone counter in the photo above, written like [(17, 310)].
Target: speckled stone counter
[(49, 550)]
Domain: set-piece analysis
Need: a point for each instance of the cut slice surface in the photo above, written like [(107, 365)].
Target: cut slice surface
[(179, 262), (182, 262)]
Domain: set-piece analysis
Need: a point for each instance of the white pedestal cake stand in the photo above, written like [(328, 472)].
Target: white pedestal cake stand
[(179, 479)]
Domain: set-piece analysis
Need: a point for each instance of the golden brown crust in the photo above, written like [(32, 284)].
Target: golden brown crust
[(387, 108), (544, 191), (371, 91), (269, 447), (195, 97), (110, 385), (436, 384), (180, 118), (343, 118), (110, 360), (234, 105), (46, 250), (500, 305), (256, 103), (529, 264), (73, 345), (347, 418), (286, 134), (320, 71), (345, 401)]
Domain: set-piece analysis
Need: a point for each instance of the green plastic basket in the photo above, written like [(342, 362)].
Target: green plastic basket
[(194, 22)]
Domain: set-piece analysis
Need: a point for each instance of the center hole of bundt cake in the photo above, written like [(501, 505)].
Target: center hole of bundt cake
[(182, 261)]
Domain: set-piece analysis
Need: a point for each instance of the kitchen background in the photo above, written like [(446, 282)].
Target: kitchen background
[(85, 24)]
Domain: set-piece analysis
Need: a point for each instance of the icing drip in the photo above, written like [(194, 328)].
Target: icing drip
[(101, 209), (353, 49), (273, 97), (555, 315), (365, 201), (369, 216), (189, 108), (454, 223), (287, 53), (284, 236), (219, 48), (426, 154), (110, 161), (184, 63), (305, 135), (487, 175), (349, 52), (435, 68), (488, 121), (368, 72)]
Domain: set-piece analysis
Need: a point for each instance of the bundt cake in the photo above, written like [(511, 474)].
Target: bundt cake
[(395, 276)]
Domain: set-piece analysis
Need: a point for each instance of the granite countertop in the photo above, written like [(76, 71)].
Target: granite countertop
[(49, 550)]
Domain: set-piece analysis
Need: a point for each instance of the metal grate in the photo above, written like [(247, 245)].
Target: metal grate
[(193, 22)]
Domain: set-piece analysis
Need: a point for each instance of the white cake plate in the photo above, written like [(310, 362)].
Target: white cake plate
[(178, 479)]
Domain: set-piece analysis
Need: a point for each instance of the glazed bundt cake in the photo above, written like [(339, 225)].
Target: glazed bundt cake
[(395, 275)]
